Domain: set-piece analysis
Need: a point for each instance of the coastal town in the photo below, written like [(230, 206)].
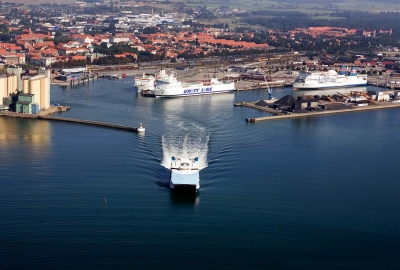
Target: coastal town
[(199, 134), (73, 42), (63, 35)]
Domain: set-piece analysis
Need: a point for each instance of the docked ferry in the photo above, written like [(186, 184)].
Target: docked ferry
[(148, 82), (171, 87), (329, 79)]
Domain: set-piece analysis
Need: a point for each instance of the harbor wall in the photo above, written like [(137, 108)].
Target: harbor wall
[(385, 105)]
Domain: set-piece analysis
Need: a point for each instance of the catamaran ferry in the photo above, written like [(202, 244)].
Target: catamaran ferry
[(329, 79), (185, 173), (171, 87)]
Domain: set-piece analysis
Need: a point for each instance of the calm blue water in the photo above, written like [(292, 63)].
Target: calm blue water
[(312, 193)]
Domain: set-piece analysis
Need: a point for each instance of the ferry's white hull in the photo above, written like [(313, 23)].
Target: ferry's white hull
[(315, 86), (194, 90), (141, 88), (172, 186), (329, 79), (143, 85), (184, 179)]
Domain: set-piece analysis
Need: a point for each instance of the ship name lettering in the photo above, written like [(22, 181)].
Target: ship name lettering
[(206, 89), (188, 91)]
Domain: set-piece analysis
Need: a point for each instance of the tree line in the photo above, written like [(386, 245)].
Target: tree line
[(290, 20)]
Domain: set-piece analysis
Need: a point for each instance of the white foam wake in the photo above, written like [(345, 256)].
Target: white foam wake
[(189, 146)]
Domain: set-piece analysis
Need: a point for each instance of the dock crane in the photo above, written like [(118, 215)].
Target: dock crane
[(269, 88)]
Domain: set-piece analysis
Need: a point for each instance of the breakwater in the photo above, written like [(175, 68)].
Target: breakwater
[(253, 106), (72, 120), (88, 122), (386, 105)]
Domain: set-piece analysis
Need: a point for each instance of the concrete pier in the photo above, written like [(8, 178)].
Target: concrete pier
[(384, 105), (69, 120), (250, 85), (88, 122), (265, 109)]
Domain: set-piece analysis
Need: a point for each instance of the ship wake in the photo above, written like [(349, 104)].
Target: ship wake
[(185, 147)]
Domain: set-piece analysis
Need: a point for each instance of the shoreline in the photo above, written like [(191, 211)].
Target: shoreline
[(54, 109), (387, 105)]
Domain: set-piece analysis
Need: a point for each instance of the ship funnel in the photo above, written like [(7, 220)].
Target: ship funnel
[(353, 71), (343, 70)]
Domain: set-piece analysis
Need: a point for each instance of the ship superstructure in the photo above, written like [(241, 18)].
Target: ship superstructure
[(171, 87), (329, 79)]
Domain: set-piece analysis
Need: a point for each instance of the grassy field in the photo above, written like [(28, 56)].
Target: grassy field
[(36, 2), (327, 17), (301, 6)]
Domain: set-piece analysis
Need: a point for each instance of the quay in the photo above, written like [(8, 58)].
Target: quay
[(384, 105), (88, 122), (253, 106), (52, 109), (44, 115), (384, 85), (242, 85), (82, 80)]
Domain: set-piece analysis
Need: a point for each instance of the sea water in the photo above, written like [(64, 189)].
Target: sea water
[(311, 193)]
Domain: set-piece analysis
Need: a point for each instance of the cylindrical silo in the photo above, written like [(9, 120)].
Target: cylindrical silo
[(14, 86), (2, 90), (34, 88), (47, 93), (43, 93), (25, 86), (9, 85), (5, 85)]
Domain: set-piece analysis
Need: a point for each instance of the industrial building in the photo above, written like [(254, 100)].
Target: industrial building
[(8, 86), (39, 86), (71, 74), (29, 95), (18, 72)]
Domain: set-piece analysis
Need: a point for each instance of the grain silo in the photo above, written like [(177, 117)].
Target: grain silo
[(9, 86), (25, 86), (47, 100), (34, 88), (2, 90), (44, 93), (18, 72), (44, 88), (5, 85), (12, 84)]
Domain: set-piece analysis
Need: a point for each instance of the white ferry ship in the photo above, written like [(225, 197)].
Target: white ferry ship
[(185, 173), (148, 82), (329, 79), (171, 87)]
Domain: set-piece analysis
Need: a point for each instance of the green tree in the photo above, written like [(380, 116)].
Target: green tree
[(59, 33), (112, 28), (150, 30)]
